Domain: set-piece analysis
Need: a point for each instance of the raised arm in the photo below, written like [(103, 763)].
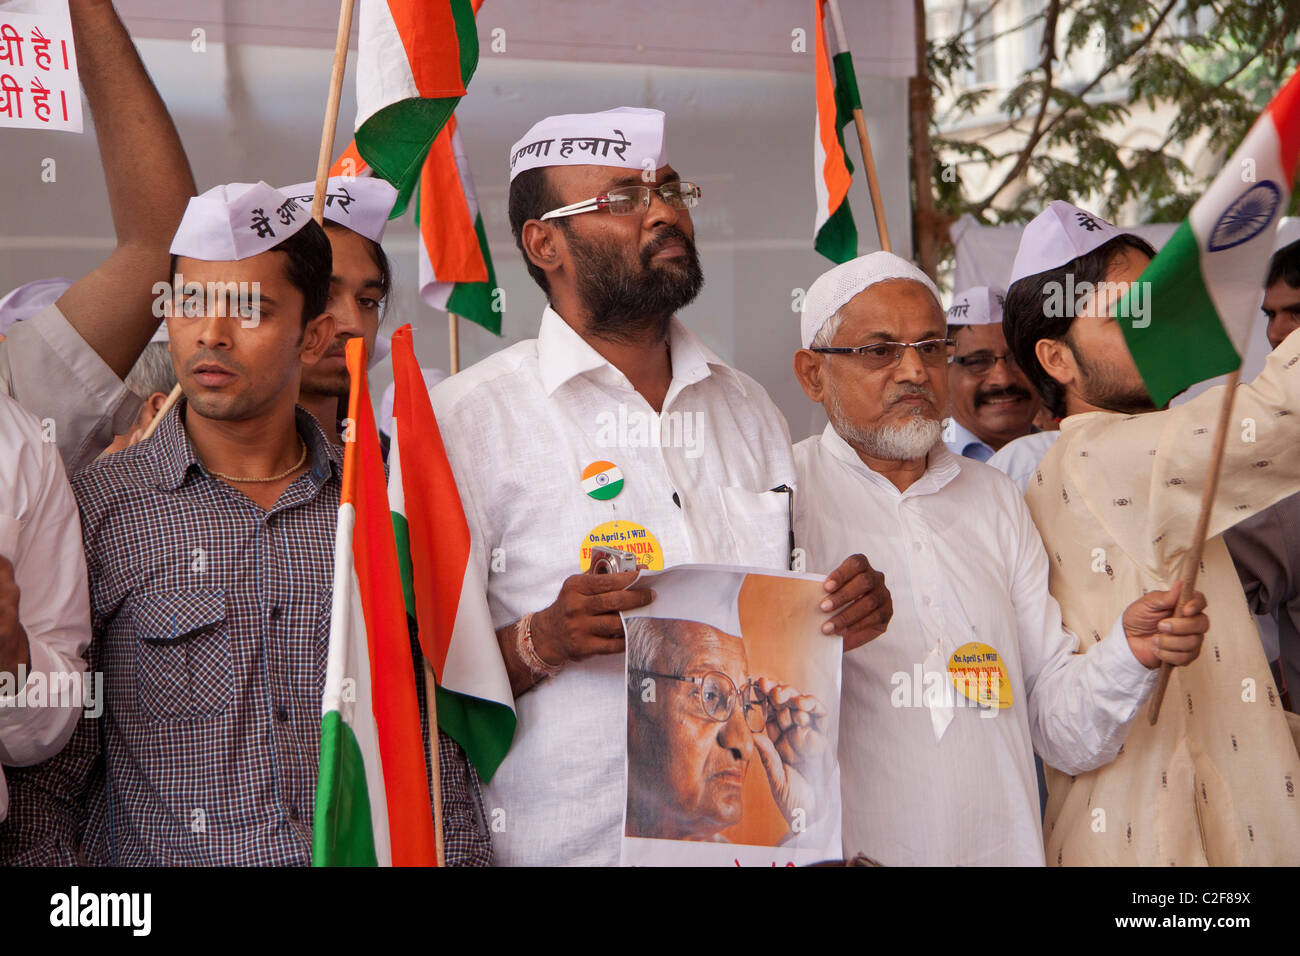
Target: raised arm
[(149, 182)]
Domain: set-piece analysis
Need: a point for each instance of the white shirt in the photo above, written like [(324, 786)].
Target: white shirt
[(1019, 458), (47, 367), (963, 563), (520, 427), (40, 533)]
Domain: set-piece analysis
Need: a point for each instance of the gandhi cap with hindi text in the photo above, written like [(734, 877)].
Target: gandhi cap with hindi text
[(627, 136), (360, 203), (978, 305), (1059, 234), (236, 221), (834, 288)]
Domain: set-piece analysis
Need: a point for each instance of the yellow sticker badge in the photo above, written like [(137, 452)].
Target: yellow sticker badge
[(623, 536), (977, 672)]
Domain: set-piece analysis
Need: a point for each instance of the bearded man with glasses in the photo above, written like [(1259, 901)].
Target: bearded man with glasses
[(604, 225), (941, 715)]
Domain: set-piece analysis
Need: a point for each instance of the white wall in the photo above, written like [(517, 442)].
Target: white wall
[(248, 111)]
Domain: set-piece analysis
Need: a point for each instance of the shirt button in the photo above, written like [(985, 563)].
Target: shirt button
[(293, 813), (926, 600), (918, 546), (281, 714), (275, 614)]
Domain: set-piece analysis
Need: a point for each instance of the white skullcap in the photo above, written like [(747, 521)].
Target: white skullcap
[(835, 288), (26, 300), (361, 203), (626, 137), (236, 221), (1288, 231), (1058, 235), (979, 305)]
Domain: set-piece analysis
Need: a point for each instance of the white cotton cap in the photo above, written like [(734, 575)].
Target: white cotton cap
[(26, 300), (361, 203), (1057, 235), (1288, 231), (626, 137), (979, 305), (237, 221), (835, 288)]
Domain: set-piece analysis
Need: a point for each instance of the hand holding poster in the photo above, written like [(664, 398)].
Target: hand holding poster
[(732, 721), (38, 67)]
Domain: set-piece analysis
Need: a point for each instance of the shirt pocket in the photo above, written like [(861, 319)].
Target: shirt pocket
[(184, 669), (759, 522)]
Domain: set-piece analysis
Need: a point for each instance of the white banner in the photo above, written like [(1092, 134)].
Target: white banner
[(38, 68)]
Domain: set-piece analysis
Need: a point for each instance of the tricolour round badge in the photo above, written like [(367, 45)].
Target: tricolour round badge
[(602, 480)]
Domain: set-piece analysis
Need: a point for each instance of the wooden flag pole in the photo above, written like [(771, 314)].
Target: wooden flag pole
[(332, 110), (431, 702), (868, 162), (1192, 561), (172, 398), (453, 330)]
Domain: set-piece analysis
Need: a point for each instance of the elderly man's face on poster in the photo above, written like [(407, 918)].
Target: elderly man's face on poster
[(688, 737)]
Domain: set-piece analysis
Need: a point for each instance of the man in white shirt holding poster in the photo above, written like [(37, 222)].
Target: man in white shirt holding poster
[(940, 717), (616, 427)]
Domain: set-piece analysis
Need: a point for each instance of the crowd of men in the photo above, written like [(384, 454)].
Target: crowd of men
[(182, 582)]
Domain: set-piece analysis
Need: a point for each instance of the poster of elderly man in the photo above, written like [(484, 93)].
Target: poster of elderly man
[(732, 721)]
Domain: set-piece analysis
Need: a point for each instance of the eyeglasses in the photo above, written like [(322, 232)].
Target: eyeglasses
[(981, 363), (882, 355), (718, 697), (627, 200)]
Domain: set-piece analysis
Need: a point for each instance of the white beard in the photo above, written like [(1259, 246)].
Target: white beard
[(906, 442)]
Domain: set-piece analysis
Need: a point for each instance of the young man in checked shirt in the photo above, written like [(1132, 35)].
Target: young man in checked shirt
[(210, 550)]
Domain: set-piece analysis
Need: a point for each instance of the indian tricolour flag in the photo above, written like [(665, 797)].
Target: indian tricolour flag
[(414, 58), (456, 272), (835, 235), (372, 796), (442, 578), (1202, 291)]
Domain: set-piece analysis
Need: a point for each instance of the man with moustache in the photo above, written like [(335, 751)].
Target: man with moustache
[(941, 715), (210, 555), (689, 746), (604, 225), (992, 401), (1116, 501)]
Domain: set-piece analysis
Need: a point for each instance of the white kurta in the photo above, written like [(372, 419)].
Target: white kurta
[(963, 563), (520, 427), (40, 532)]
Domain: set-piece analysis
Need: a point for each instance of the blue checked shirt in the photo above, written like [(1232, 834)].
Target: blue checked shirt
[(211, 627)]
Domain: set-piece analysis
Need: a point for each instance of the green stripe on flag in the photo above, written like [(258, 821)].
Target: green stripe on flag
[(1185, 341), (837, 239), (483, 729), (847, 96), (342, 833), (474, 300), (402, 535)]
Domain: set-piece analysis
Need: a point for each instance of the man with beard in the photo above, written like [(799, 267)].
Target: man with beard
[(577, 439), (992, 401), (940, 716), (1116, 501)]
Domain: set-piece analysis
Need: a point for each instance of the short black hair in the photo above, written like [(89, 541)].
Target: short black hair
[(1024, 316), (1285, 265), (311, 262), (531, 196)]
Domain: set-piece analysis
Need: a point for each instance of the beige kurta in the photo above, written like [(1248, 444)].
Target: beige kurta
[(1217, 780)]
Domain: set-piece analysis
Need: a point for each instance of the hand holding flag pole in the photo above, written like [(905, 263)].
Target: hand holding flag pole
[(873, 184)]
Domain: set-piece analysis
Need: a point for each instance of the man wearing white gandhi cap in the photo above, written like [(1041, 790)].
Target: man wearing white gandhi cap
[(356, 214), (1116, 500), (940, 716), (695, 456)]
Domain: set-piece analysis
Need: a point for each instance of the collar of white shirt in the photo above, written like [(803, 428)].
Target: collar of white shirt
[(941, 467), (563, 354)]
